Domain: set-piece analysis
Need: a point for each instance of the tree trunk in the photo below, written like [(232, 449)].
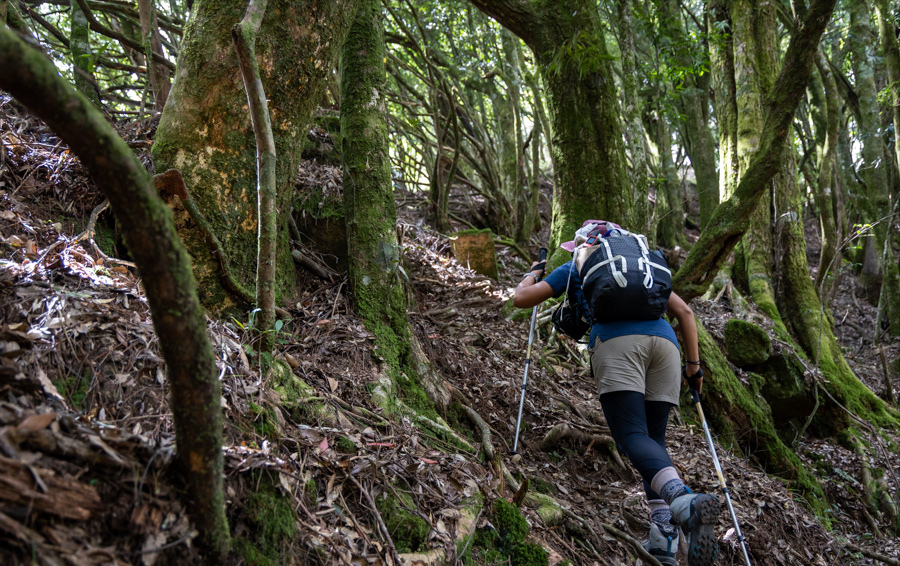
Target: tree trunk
[(890, 294), (205, 128), (376, 278), (670, 223), (631, 114), (165, 269), (156, 73), (825, 96), (591, 179), (244, 35), (876, 204), (755, 68), (721, 56), (82, 55), (731, 218), (694, 101)]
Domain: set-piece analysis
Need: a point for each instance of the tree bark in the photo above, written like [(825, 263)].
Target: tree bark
[(890, 293), (825, 94), (205, 128), (731, 218), (244, 35), (877, 277), (82, 55), (591, 179), (165, 269), (376, 278), (755, 68), (721, 56), (157, 74), (694, 100), (634, 130)]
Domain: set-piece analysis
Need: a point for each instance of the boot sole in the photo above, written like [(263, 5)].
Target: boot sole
[(703, 548)]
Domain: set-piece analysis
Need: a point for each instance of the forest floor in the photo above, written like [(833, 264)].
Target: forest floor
[(87, 439)]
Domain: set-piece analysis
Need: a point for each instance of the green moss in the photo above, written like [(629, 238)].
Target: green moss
[(507, 544), (105, 238), (345, 445), (408, 531), (458, 420), (273, 525), (735, 413), (509, 521), (265, 424), (528, 554), (297, 396), (252, 555), (541, 485), (310, 493), (75, 389), (746, 343)]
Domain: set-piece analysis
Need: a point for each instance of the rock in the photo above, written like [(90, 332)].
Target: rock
[(746, 344)]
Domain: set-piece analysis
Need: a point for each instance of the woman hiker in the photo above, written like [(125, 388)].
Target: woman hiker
[(637, 367)]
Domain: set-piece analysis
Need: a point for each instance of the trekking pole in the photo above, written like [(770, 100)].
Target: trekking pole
[(737, 527), (542, 257)]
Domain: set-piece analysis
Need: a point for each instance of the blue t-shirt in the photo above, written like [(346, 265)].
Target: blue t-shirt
[(559, 277)]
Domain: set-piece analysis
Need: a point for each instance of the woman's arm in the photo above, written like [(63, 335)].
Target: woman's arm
[(530, 292), (685, 316)]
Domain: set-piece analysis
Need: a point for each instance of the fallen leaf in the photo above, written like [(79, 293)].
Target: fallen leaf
[(35, 423)]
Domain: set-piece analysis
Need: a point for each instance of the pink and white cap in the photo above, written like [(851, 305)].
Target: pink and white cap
[(581, 234)]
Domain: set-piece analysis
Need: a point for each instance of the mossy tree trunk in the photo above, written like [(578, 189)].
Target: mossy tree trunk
[(632, 105), (891, 50), (875, 200), (775, 266), (670, 208), (82, 55), (721, 59), (376, 279), (732, 218), (244, 35), (694, 106), (755, 69), (823, 96), (158, 75), (165, 267), (205, 127), (567, 39), (810, 324)]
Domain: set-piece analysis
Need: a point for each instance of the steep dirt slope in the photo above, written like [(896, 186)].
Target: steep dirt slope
[(86, 438)]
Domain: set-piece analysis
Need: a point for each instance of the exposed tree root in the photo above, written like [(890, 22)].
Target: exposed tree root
[(563, 431), (872, 554)]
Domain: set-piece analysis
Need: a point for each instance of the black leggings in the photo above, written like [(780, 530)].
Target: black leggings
[(639, 429)]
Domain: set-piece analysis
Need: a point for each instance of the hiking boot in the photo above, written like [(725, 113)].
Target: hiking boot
[(663, 543), (696, 514)]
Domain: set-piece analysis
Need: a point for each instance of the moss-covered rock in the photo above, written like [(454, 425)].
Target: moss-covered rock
[(746, 344), (787, 393), (297, 397)]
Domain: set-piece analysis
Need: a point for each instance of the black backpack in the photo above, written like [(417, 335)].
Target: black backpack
[(570, 318), (621, 278)]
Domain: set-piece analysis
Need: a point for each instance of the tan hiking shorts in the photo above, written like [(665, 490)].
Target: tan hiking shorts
[(646, 364)]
